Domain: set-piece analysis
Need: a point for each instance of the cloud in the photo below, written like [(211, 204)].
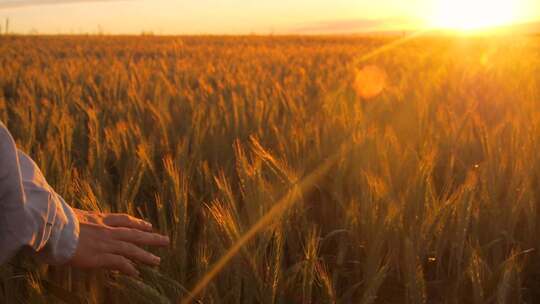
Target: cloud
[(353, 25), (6, 4)]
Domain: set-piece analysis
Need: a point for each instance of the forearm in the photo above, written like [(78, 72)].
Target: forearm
[(56, 239), (17, 228), (32, 214)]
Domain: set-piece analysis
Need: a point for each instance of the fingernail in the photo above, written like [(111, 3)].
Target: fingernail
[(157, 260)]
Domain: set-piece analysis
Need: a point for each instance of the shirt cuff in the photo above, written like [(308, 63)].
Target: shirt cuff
[(64, 236), (56, 234)]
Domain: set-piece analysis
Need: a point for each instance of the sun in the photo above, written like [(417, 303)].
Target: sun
[(473, 14)]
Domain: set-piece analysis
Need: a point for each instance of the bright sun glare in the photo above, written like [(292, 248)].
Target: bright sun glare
[(474, 14)]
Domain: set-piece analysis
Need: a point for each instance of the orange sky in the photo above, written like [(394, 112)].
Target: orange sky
[(244, 16)]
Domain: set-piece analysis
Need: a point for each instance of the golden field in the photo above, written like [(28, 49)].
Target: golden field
[(352, 170)]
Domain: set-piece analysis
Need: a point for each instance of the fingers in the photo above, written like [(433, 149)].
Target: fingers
[(102, 246), (140, 237), (133, 252), (124, 220), (120, 263)]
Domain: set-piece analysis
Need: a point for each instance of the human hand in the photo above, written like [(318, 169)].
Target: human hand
[(112, 219), (110, 241)]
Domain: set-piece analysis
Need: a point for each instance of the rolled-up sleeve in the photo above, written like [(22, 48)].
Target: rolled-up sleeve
[(32, 214)]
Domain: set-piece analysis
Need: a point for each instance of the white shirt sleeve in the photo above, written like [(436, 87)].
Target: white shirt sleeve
[(32, 214)]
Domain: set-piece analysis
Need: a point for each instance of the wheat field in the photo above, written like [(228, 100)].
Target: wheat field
[(338, 169)]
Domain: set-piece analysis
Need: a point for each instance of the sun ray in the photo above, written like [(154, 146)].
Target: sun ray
[(291, 197)]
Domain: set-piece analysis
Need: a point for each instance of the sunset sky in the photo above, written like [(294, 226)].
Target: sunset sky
[(258, 16)]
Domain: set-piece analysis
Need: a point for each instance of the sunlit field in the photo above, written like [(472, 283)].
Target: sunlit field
[(351, 170)]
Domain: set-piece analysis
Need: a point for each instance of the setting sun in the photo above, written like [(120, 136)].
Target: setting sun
[(474, 15)]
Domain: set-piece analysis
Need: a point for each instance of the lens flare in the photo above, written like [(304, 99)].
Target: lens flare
[(370, 81)]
